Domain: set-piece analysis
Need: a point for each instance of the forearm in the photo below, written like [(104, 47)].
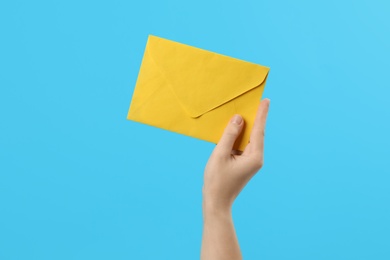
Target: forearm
[(219, 237)]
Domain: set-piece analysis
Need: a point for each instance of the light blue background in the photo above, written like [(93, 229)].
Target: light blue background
[(79, 181)]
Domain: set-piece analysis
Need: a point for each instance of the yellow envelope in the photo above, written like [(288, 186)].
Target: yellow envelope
[(195, 92)]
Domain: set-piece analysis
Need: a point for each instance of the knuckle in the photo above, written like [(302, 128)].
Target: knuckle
[(259, 163), (258, 160), (217, 155)]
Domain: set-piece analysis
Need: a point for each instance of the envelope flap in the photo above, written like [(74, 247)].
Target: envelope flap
[(203, 80)]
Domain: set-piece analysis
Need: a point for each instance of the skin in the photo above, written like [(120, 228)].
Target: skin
[(226, 174)]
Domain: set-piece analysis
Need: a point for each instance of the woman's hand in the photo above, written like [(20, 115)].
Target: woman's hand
[(226, 174), (228, 171)]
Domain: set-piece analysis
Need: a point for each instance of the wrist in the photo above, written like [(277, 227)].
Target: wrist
[(213, 208)]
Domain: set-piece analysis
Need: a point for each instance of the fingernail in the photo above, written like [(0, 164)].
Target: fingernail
[(237, 119)]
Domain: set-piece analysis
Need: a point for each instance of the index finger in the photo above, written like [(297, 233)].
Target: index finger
[(258, 130)]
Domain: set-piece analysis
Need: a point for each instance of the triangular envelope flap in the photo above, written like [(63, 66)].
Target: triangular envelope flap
[(203, 80)]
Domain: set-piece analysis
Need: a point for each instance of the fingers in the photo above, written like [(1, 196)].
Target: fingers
[(258, 130), (229, 136)]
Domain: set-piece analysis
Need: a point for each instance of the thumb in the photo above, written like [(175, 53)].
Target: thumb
[(230, 134)]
